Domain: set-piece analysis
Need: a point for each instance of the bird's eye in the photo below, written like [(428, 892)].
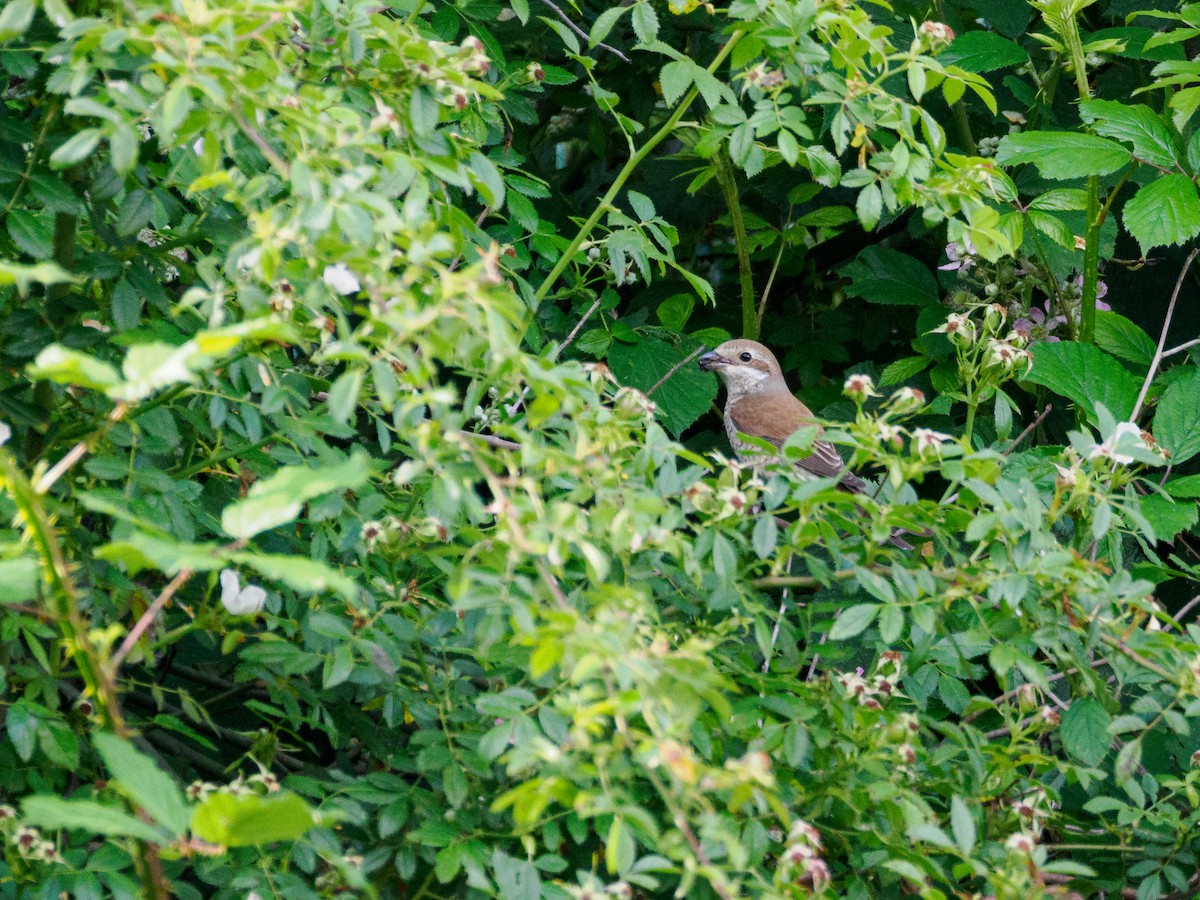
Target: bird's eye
[(746, 357)]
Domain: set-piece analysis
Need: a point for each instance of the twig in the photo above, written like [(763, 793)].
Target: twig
[(147, 617), (277, 162), (1162, 339), (583, 34), (1187, 345), (493, 440), (1032, 425), (1187, 608), (762, 301), (64, 465), (556, 590), (675, 368), (512, 408)]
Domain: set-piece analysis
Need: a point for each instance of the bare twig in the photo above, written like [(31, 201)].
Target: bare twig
[(1029, 428), (64, 465), (556, 590), (277, 162), (1187, 345), (675, 368), (1159, 353), (512, 408), (762, 301), (1187, 608), (583, 34), (147, 617), (493, 440)]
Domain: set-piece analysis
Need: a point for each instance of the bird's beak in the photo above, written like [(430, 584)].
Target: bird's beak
[(710, 361)]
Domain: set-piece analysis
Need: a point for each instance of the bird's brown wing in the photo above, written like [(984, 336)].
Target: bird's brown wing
[(774, 419)]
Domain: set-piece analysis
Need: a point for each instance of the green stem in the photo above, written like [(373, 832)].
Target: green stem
[(634, 161), (964, 128), (728, 183), (1091, 263)]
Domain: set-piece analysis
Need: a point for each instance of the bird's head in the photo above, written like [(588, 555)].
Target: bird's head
[(744, 366)]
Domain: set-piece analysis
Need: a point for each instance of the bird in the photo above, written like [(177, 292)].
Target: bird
[(759, 404)]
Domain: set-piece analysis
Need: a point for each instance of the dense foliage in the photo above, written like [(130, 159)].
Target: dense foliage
[(368, 528)]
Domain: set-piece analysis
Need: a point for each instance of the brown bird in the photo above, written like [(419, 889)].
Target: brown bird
[(759, 404)]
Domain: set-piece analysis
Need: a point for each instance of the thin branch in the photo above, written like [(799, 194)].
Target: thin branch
[(762, 301), (675, 368), (1162, 339), (277, 162), (64, 465), (556, 590), (578, 325), (135, 634), (1184, 346), (1187, 608), (492, 439), (583, 34), (1032, 425)]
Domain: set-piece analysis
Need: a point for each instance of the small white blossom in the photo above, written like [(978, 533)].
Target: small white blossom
[(859, 388), (927, 440), (341, 279), (238, 600), (5, 433)]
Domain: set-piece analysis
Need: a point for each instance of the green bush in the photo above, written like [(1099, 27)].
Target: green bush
[(367, 534)]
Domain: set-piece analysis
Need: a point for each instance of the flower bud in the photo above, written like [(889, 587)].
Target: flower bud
[(859, 387), (907, 400)]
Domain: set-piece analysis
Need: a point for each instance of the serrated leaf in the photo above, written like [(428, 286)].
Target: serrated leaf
[(679, 400), (880, 275), (278, 499), (675, 78), (853, 621), (65, 366), (1165, 211), (1084, 731), (1062, 154), (962, 825), (604, 24), (142, 781), (87, 815), (1117, 335), (1137, 124), (1086, 375), (982, 51), (1168, 518), (903, 369), (1177, 419)]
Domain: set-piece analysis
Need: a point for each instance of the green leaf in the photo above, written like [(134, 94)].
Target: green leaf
[(1084, 731), (278, 499), (604, 24), (853, 621), (18, 580), (305, 576), (1168, 518), (32, 232), (144, 551), (982, 51), (15, 18), (645, 22), (1177, 419), (39, 273), (1136, 124), (142, 781), (880, 275), (679, 400), (251, 820), (76, 148), (1062, 154), (903, 370), (674, 312), (87, 815), (1117, 335), (962, 825), (64, 366), (1086, 375), (343, 394), (1165, 211), (519, 879), (675, 79)]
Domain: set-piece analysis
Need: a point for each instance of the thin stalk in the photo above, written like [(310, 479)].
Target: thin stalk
[(634, 161), (733, 202)]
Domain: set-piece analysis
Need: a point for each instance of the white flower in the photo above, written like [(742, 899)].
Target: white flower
[(928, 440), (198, 146), (238, 600), (5, 433), (859, 388), (341, 279), (1107, 449)]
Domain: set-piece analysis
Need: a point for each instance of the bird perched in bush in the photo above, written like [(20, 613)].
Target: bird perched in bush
[(760, 405)]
